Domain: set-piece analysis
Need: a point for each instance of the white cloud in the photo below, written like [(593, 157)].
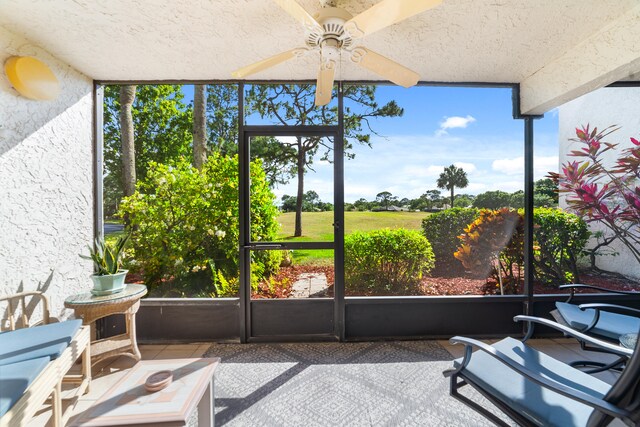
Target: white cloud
[(509, 186), (543, 165), (421, 171), (454, 122), (473, 188), (515, 166), (509, 166), (468, 167), (408, 165)]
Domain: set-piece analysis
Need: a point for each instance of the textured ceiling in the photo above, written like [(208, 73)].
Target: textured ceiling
[(459, 41)]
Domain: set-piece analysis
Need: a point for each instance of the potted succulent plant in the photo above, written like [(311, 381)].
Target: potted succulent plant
[(107, 260)]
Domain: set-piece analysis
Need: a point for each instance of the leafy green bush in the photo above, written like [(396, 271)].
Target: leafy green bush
[(386, 261), (493, 200), (442, 230), (560, 238), (181, 218)]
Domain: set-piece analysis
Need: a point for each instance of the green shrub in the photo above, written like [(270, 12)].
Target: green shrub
[(181, 218), (493, 200), (560, 238), (386, 261), (442, 230)]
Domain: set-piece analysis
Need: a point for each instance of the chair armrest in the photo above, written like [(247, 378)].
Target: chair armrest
[(21, 299), (561, 389), (573, 286), (615, 349), (611, 307)]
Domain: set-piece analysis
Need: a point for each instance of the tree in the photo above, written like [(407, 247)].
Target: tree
[(516, 200), (162, 126), (385, 198), (493, 200), (199, 126), (463, 201), (311, 201), (432, 195), (451, 178), (222, 118), (546, 187), (127, 145), (361, 204), (295, 105), (288, 203), (433, 198)]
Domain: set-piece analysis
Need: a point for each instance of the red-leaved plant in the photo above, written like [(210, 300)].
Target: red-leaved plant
[(601, 192)]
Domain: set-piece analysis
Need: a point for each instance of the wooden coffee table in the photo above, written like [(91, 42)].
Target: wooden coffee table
[(128, 403)]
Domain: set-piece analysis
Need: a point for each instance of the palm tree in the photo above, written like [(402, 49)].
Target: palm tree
[(451, 178)]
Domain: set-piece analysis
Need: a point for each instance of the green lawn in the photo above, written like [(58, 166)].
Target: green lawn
[(317, 227)]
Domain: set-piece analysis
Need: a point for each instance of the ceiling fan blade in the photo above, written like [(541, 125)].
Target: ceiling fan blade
[(324, 85), (386, 13), (266, 63), (293, 8), (384, 67)]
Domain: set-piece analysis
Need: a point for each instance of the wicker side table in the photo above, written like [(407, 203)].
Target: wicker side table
[(90, 308)]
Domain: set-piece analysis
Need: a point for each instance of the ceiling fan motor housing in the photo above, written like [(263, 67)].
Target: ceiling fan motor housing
[(333, 36)]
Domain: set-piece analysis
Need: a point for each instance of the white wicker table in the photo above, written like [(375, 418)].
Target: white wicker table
[(90, 308), (128, 403)]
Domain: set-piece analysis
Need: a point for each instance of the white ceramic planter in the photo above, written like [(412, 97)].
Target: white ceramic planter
[(109, 284)]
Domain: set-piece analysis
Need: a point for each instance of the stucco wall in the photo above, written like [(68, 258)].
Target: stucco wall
[(603, 108), (46, 190)]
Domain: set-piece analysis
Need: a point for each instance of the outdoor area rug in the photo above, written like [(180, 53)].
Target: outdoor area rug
[(338, 384)]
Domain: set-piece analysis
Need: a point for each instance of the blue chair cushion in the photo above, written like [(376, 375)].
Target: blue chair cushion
[(38, 341), (15, 378), (610, 325), (541, 405)]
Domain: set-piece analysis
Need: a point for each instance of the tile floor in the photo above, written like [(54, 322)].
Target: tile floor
[(109, 372)]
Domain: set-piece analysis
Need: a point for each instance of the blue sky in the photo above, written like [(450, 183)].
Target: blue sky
[(470, 127)]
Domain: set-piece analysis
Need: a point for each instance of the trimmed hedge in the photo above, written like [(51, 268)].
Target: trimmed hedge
[(385, 262)]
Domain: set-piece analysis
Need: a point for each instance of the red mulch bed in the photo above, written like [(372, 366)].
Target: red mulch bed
[(466, 286), (432, 286)]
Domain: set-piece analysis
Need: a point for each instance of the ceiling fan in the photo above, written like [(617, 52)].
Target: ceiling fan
[(332, 30)]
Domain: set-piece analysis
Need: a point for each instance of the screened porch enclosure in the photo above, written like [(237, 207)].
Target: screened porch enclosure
[(344, 312)]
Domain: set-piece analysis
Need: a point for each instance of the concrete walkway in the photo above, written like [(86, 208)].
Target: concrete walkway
[(310, 285)]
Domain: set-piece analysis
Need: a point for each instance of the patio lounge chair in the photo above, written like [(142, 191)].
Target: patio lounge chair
[(534, 389), (604, 321), (35, 361)]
